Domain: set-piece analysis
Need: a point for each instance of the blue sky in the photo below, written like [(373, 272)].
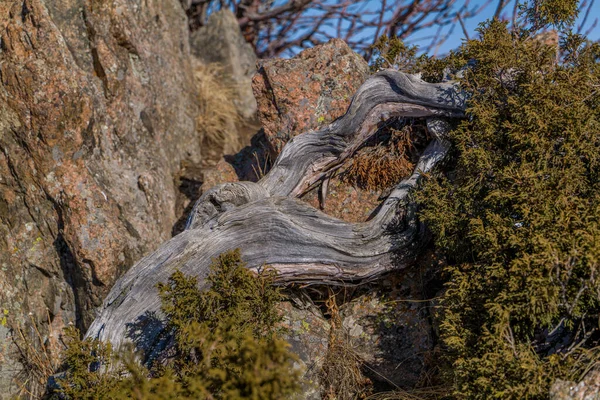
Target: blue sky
[(423, 37), (488, 12)]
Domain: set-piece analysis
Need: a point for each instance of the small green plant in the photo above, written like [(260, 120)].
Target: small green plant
[(87, 362), (391, 52), (227, 337), (227, 344)]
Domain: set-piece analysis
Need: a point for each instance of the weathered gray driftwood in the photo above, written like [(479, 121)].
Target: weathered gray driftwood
[(270, 225)]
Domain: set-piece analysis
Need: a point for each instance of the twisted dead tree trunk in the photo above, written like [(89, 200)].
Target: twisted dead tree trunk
[(270, 225)]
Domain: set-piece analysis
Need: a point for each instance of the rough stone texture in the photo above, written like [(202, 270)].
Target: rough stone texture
[(307, 91), (97, 111), (587, 389), (307, 332), (389, 329), (222, 172), (221, 41), (193, 181), (9, 367), (387, 324)]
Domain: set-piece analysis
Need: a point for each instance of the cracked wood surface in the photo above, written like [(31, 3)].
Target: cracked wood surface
[(267, 222)]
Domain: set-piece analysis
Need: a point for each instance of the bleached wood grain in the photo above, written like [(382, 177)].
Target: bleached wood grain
[(271, 225)]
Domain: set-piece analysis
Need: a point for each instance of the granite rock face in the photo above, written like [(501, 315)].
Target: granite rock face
[(302, 93), (307, 332), (97, 110), (587, 389), (389, 329)]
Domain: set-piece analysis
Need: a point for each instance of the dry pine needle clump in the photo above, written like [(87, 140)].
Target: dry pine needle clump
[(387, 158)]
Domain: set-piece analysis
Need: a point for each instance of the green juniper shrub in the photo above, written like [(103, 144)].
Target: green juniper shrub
[(517, 208), (227, 344), (87, 362), (229, 335), (559, 13), (518, 217)]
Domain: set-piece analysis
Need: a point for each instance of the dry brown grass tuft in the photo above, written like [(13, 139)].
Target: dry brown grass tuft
[(388, 161), (218, 116), (40, 356), (341, 375), (430, 393)]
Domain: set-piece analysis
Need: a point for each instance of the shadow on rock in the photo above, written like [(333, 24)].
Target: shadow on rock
[(253, 161), (392, 328), (189, 182)]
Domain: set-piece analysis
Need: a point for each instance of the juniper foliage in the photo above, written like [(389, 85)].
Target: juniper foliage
[(227, 344), (517, 213), (516, 209)]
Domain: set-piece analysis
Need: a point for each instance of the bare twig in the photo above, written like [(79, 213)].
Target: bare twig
[(499, 8), (586, 15), (285, 26), (462, 25)]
